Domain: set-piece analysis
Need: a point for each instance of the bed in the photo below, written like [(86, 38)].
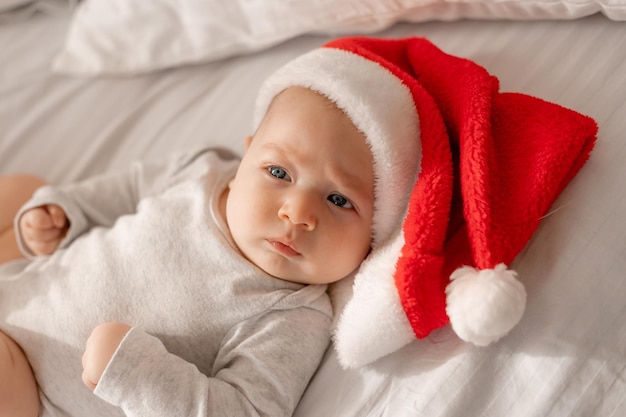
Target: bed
[(93, 85)]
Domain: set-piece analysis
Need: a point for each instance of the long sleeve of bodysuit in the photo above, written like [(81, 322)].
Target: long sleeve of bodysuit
[(263, 366), (101, 200)]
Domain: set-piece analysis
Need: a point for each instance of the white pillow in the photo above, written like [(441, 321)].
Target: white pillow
[(131, 36)]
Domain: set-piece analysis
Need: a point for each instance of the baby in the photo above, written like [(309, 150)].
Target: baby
[(197, 286)]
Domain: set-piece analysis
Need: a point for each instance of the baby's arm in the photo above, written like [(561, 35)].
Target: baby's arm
[(97, 201), (262, 368), (42, 228)]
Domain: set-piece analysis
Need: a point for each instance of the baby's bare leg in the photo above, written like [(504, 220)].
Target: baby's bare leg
[(15, 190), (18, 390)]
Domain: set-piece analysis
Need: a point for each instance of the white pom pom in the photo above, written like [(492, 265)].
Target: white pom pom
[(484, 305)]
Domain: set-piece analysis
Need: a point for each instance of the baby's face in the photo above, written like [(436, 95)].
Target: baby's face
[(301, 204)]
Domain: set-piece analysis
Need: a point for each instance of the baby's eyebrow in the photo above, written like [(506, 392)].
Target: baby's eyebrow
[(354, 184), (273, 149)]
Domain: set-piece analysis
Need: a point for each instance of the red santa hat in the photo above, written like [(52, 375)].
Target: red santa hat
[(463, 175)]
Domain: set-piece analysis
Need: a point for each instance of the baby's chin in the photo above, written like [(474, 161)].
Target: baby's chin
[(298, 278), (296, 272), (307, 280)]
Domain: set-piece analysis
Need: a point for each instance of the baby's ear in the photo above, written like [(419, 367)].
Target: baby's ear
[(247, 142)]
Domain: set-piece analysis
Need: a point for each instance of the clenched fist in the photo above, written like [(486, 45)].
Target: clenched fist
[(100, 348), (42, 228)]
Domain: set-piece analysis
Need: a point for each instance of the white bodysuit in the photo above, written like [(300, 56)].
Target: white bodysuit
[(212, 334)]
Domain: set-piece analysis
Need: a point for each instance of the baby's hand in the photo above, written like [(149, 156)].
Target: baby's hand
[(43, 228), (101, 345)]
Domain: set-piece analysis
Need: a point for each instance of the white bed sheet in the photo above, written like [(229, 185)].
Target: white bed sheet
[(568, 354)]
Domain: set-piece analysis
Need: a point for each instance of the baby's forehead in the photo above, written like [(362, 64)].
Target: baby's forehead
[(295, 93), (294, 96), (302, 117)]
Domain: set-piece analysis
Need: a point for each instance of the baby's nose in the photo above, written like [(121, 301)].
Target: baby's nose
[(300, 209)]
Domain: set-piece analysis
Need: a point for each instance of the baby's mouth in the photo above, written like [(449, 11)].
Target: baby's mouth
[(284, 248)]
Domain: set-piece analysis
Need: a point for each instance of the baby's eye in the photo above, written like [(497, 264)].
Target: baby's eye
[(278, 172), (340, 201)]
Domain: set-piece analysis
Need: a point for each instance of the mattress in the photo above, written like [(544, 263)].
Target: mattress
[(568, 354)]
